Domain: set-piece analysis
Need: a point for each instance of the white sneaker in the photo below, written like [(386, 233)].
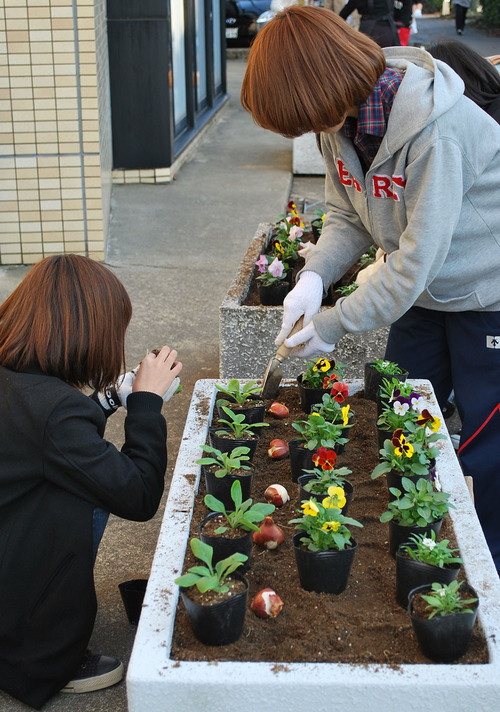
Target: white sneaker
[(455, 439)]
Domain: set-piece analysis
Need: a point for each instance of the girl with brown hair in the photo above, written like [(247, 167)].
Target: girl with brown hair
[(412, 166), (62, 329)]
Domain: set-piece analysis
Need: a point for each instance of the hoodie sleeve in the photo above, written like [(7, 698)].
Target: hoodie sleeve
[(437, 179)]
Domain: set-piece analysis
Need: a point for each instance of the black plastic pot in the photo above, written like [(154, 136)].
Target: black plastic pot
[(309, 396), (304, 494), (393, 479), (323, 571), (411, 573), (272, 295), (443, 638), (254, 413), (373, 380), (221, 623), (398, 533), (300, 458), (226, 444), (316, 227), (220, 487), (132, 593), (382, 436), (224, 546)]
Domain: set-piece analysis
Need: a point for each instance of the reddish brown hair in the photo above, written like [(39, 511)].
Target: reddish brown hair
[(306, 69), (68, 317)]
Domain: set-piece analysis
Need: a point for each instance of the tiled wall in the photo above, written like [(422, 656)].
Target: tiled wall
[(55, 134)]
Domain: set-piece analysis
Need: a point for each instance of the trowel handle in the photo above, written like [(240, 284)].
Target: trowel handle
[(284, 352)]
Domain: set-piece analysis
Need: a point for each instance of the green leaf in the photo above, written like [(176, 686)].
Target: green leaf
[(202, 551), (236, 494), (214, 504), (187, 580), (207, 584)]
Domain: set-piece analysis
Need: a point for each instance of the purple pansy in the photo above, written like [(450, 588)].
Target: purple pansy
[(276, 268), (262, 263)]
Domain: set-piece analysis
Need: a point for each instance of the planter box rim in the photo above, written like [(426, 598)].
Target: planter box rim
[(156, 683)]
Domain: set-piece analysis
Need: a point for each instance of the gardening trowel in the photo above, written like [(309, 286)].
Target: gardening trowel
[(274, 374)]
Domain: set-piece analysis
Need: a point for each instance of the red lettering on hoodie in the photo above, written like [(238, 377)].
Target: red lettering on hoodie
[(345, 177), (384, 186)]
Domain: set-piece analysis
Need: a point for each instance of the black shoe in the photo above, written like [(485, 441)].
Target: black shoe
[(460, 32), (95, 673)]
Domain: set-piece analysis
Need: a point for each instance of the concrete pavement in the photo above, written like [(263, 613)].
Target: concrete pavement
[(176, 248)]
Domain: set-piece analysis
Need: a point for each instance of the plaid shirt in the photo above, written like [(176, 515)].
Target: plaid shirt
[(368, 129)]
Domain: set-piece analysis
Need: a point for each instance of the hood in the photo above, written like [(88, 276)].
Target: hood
[(429, 89)]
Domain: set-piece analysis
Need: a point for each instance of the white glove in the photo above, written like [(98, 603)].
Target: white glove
[(311, 343), (306, 248), (305, 298)]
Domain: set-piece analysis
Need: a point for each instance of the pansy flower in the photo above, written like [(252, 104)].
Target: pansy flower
[(322, 364), (336, 498), (262, 263), (401, 446), (417, 401), (345, 414), (296, 232), (329, 380), (278, 247), (324, 458), (291, 206), (310, 508), (339, 391), (401, 405), (330, 526), (428, 420), (276, 268)]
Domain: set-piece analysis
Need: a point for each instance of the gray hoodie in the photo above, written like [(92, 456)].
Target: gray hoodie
[(431, 199)]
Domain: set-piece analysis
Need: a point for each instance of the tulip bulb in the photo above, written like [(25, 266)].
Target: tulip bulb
[(277, 495), (278, 449), (270, 535), (278, 410), (267, 603)]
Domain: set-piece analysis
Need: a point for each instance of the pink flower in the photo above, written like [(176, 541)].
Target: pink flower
[(276, 268), (262, 263), (295, 233)]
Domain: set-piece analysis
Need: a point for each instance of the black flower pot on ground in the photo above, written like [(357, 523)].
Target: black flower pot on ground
[(272, 295), (220, 487), (323, 571), (226, 443), (398, 533), (300, 458), (304, 494), (309, 396), (411, 573), (218, 623), (382, 436), (132, 594), (254, 412), (373, 380), (443, 638), (224, 545)]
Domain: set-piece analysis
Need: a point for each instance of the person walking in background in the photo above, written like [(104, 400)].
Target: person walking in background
[(413, 166), (481, 79), (461, 7), (61, 330), (377, 20), (403, 15)]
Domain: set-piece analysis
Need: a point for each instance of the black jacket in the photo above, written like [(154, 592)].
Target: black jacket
[(55, 467)]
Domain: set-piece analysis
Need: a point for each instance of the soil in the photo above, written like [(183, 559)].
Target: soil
[(363, 624)]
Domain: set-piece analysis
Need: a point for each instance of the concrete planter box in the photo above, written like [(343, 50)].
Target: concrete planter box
[(156, 683), (247, 333)]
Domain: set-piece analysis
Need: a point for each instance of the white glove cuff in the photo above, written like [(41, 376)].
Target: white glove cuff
[(171, 390)]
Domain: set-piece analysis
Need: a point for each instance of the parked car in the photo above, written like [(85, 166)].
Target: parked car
[(241, 20), (244, 18)]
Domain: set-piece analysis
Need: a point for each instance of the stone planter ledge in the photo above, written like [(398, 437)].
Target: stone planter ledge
[(155, 683)]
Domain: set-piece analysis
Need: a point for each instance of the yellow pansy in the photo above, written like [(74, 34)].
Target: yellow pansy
[(336, 498), (310, 508), (331, 526), (406, 448), (323, 364), (345, 414)]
